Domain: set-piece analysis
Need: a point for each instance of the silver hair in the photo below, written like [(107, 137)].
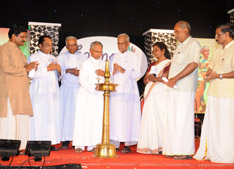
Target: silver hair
[(126, 35), (69, 38), (95, 43), (184, 24), (204, 47)]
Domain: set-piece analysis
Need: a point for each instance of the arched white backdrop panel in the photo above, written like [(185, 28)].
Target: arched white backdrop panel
[(109, 48)]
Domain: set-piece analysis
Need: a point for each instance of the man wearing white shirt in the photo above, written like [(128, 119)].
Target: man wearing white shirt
[(217, 136), (179, 128), (89, 102), (44, 92), (125, 110), (70, 63)]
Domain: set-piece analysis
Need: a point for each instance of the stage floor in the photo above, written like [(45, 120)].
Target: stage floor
[(131, 160)]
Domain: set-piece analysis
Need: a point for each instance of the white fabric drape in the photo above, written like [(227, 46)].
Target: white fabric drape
[(218, 131)]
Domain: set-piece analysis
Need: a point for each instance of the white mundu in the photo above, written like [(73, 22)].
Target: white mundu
[(125, 111), (89, 106), (217, 136), (179, 120), (44, 92), (68, 90)]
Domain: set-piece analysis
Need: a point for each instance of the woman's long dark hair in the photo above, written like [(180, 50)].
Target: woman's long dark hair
[(162, 46)]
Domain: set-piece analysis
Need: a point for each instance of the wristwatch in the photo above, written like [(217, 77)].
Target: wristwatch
[(220, 76)]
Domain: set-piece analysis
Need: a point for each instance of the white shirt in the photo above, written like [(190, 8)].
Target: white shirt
[(186, 53)]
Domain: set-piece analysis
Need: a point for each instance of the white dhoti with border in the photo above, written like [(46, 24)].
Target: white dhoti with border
[(179, 124), (218, 131)]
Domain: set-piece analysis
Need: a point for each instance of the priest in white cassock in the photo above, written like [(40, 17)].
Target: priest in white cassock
[(89, 102), (179, 122), (44, 92), (125, 110), (70, 62)]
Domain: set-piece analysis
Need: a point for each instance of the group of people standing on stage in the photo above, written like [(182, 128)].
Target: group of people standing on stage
[(43, 110), (167, 125), (73, 111)]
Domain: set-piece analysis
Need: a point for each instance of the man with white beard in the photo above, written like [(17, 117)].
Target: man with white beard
[(70, 63), (125, 110), (89, 102)]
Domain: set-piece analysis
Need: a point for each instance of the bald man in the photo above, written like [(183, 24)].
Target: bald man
[(179, 129)]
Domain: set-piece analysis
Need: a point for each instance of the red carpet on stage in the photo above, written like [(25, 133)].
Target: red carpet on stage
[(131, 160)]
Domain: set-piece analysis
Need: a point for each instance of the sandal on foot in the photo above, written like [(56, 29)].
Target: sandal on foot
[(182, 157), (92, 150), (78, 150), (169, 155)]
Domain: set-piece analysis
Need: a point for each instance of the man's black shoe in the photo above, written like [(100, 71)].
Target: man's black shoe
[(52, 148), (126, 149)]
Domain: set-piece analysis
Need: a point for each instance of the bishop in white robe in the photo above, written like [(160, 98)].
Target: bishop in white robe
[(89, 102)]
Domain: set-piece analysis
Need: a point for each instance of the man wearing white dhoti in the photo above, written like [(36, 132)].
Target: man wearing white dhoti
[(15, 103), (44, 91), (217, 137), (89, 102), (179, 124), (125, 110), (155, 103), (70, 62)]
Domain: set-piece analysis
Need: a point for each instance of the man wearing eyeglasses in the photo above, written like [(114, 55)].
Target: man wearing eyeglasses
[(125, 111), (89, 102), (218, 127), (15, 103)]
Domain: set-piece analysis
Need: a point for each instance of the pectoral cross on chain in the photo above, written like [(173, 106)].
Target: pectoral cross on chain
[(98, 79)]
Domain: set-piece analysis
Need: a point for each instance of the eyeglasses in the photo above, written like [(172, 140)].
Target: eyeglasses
[(218, 35), (121, 43), (23, 37), (96, 51)]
